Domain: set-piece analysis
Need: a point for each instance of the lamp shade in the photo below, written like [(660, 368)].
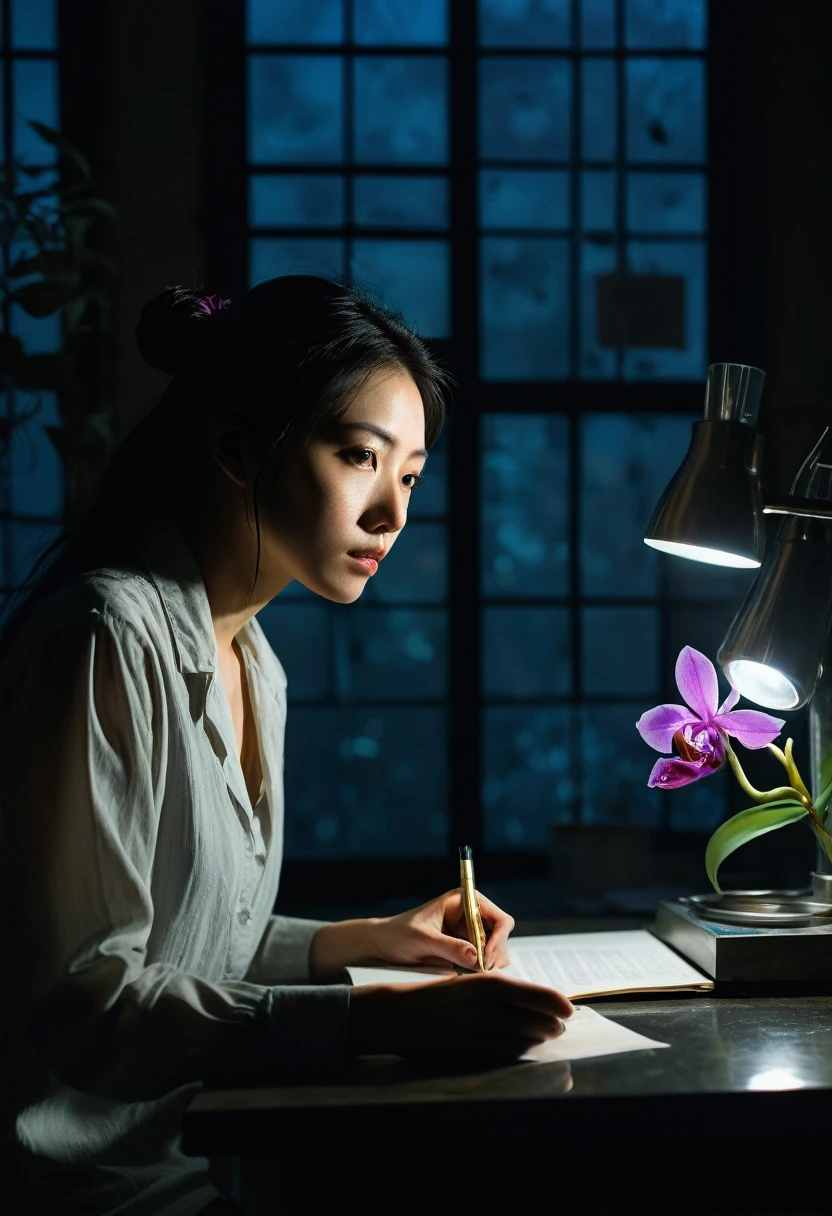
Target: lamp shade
[(772, 651), (712, 509)]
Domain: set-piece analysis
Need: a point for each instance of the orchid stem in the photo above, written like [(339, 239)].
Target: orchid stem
[(798, 793), (782, 791), (787, 760)]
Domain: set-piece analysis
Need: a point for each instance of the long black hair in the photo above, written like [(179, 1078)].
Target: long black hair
[(288, 356)]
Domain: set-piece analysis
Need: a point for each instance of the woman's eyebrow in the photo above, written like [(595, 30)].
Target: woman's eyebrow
[(383, 435)]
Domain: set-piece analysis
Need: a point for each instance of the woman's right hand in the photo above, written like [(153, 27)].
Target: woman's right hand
[(487, 1016)]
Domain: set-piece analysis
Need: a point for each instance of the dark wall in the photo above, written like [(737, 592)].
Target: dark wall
[(797, 209)]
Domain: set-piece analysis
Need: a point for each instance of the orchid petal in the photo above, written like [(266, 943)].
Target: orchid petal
[(729, 702), (697, 682), (753, 728), (658, 726), (670, 774)]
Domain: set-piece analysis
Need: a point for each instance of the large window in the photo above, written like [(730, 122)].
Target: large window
[(31, 471), (528, 184)]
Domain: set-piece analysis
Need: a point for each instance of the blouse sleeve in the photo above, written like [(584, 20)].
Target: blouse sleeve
[(282, 954), (88, 754)]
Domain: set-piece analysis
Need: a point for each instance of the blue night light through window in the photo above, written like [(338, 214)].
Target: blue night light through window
[(31, 470), (590, 177)]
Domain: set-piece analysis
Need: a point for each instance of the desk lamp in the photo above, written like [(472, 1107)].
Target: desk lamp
[(773, 654)]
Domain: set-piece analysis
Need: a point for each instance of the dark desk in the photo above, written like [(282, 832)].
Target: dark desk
[(733, 1117)]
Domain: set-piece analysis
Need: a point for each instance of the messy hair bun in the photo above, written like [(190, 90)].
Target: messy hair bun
[(176, 330)]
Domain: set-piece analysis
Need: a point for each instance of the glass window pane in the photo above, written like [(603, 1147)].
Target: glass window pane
[(413, 278), (531, 23), (431, 498), (294, 201), (272, 256), (523, 198), (294, 105), (529, 779), (35, 84), (364, 782), (401, 202), (666, 23), (696, 581), (401, 111), (525, 108), (2, 110), (299, 636), (391, 654), (26, 542), (599, 126), (36, 480), (597, 24), (597, 259), (294, 21), (598, 201), (39, 335), (415, 571), (666, 202), (400, 22), (526, 314), (526, 652), (525, 505), (620, 651), (688, 262), (626, 462), (614, 766), (34, 25), (666, 110)]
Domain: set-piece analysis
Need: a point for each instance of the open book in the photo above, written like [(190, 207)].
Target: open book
[(580, 965)]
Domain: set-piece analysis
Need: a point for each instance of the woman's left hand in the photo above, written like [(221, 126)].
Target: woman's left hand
[(435, 935)]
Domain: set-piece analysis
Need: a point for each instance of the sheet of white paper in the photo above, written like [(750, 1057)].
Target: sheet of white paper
[(577, 964), (589, 1034)]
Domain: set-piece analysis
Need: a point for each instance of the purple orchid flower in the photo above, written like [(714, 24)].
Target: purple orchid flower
[(699, 728)]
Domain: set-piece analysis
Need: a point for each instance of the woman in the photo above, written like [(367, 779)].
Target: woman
[(143, 752)]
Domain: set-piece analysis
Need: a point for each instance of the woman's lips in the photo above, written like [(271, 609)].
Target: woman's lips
[(368, 564)]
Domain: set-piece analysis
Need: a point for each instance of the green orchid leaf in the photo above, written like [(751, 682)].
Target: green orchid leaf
[(739, 829), (822, 801)]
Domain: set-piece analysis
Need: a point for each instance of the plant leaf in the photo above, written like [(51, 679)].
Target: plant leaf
[(822, 801), (745, 826), (65, 149), (43, 298)]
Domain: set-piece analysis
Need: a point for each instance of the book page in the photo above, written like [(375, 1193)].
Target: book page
[(585, 964), (577, 964)]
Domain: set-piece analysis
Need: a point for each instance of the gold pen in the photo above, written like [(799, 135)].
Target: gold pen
[(470, 903)]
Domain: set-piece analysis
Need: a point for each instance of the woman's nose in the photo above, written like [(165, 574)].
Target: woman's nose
[(389, 512)]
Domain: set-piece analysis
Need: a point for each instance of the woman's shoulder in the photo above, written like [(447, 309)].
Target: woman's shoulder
[(119, 598)]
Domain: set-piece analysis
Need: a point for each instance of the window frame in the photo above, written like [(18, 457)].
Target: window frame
[(734, 75)]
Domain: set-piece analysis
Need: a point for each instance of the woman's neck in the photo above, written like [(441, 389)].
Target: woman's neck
[(225, 548)]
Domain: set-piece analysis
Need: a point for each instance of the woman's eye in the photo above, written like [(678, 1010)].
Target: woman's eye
[(361, 455), (412, 480)]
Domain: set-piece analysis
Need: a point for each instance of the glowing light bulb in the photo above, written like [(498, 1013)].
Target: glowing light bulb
[(764, 685), (711, 557)]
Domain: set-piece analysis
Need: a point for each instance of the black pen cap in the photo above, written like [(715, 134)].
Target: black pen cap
[(465, 853)]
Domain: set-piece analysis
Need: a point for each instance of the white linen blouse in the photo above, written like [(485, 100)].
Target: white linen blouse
[(141, 955)]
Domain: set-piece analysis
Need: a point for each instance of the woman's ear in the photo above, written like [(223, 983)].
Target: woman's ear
[(225, 441)]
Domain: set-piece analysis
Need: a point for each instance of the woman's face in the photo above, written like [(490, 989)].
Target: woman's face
[(342, 502)]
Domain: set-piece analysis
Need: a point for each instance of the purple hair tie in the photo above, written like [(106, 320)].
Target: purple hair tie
[(209, 304)]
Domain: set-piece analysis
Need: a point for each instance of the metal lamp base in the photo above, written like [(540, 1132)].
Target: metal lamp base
[(754, 936)]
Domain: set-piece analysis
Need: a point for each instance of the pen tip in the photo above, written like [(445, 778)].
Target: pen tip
[(465, 852)]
